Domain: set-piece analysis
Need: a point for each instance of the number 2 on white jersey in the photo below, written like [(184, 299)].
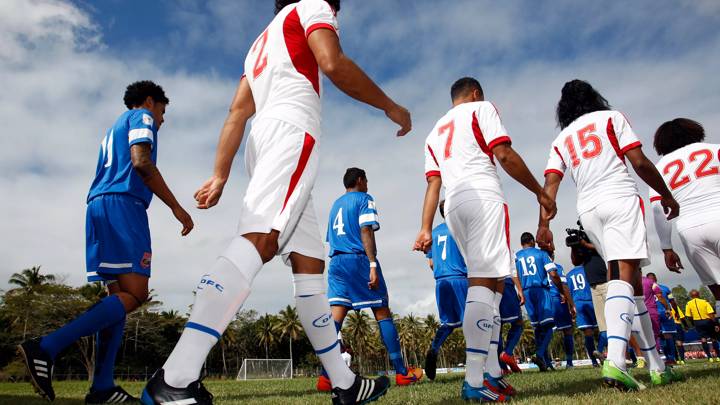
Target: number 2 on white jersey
[(443, 239), (529, 269), (338, 224), (262, 58), (678, 180)]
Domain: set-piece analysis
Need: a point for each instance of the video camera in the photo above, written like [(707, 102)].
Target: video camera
[(575, 236)]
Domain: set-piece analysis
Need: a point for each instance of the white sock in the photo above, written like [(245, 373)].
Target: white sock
[(478, 330), (492, 366), (646, 336), (220, 295), (619, 313), (314, 313)]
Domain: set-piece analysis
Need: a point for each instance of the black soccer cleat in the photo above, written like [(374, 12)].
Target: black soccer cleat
[(158, 392), (539, 363), (430, 364), (114, 395), (40, 367), (363, 391)]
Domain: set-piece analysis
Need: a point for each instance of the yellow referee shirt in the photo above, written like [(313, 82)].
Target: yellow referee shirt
[(699, 309), (678, 315)]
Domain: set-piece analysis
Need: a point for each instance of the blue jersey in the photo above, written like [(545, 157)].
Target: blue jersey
[(350, 212), (578, 285), (667, 294), (115, 173), (447, 259), (553, 290), (532, 266)]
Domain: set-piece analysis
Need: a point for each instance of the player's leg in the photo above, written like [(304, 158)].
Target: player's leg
[(599, 294), (338, 312), (680, 343), (569, 346), (510, 313), (589, 336), (390, 338)]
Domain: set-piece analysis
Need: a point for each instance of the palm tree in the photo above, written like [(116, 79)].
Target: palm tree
[(288, 324), (265, 332), (357, 331), (30, 279), (409, 330)]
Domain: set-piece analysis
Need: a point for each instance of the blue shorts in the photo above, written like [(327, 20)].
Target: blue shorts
[(117, 237), (510, 305), (348, 279), (538, 304), (679, 333), (585, 318), (561, 314), (667, 325), (451, 293)]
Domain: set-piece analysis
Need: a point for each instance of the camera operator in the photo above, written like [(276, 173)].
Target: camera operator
[(583, 253)]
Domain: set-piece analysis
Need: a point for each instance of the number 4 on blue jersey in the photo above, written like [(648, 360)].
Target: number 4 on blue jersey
[(348, 215)]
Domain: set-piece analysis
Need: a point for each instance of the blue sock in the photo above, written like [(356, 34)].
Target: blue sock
[(681, 351), (513, 337), (706, 349), (499, 351), (716, 347), (569, 345), (543, 336), (631, 352), (442, 333), (392, 344), (101, 315), (590, 348), (602, 341), (669, 349), (108, 343), (338, 328)]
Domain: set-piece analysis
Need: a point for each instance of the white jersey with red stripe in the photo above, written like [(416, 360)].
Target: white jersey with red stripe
[(692, 173), (593, 147), (281, 69), (459, 149)]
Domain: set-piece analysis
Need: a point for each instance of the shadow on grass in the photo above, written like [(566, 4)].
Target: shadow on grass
[(286, 393), (26, 400)]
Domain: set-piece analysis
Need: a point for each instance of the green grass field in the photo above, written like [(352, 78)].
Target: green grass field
[(578, 386)]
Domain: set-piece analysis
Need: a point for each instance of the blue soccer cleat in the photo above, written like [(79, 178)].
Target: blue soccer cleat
[(481, 394)]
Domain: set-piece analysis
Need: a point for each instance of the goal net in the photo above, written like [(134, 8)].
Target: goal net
[(265, 369)]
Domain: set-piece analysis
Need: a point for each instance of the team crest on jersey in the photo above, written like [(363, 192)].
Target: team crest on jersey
[(147, 120), (145, 261)]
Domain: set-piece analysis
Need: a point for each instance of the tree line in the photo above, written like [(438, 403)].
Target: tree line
[(38, 303)]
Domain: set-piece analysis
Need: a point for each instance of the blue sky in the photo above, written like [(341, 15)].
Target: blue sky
[(65, 65)]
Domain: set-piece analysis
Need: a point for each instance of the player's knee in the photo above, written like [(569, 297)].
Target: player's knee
[(308, 284), (382, 313), (238, 257)]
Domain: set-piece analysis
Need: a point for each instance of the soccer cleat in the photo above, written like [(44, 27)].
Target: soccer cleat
[(323, 384), (511, 362), (481, 394), (616, 378), (413, 375), (666, 377), (158, 392), (499, 385), (681, 362), (40, 367), (599, 356), (363, 391), (640, 362), (114, 395), (539, 363), (430, 364)]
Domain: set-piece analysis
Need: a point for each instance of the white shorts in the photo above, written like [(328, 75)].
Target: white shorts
[(617, 229), (282, 162), (702, 246), (481, 229)]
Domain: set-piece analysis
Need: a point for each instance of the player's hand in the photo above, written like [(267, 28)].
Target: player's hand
[(672, 261), (423, 242), (548, 204), (563, 299), (184, 219), (671, 207), (374, 281), (209, 193), (401, 116), (544, 239), (573, 311), (521, 298)]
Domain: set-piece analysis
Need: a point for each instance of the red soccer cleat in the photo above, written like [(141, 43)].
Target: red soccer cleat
[(510, 361), (499, 386), (323, 384), (413, 375)]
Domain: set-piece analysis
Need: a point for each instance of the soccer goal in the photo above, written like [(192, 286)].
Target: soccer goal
[(265, 369)]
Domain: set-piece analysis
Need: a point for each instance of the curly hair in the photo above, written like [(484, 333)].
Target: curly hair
[(281, 4), (578, 98), (136, 94), (675, 134)]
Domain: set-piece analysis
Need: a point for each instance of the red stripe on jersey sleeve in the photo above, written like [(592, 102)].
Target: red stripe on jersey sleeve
[(480, 138), (631, 146), (610, 130), (318, 26), (433, 155), (432, 173), (300, 54), (499, 141), (559, 155), (655, 198), (558, 172)]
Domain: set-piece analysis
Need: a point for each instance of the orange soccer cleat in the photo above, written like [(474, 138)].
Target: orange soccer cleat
[(413, 375), (510, 361), (323, 384)]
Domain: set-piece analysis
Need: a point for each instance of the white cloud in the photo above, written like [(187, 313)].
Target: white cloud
[(62, 90)]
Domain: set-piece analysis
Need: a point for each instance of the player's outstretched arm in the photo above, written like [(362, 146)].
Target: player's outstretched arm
[(650, 175), (231, 136), (544, 236), (519, 290), (349, 78), (664, 231), (368, 240), (140, 156), (423, 242), (514, 165)]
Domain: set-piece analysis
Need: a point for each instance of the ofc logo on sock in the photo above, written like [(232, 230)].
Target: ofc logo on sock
[(322, 321), (484, 325), (626, 318), (205, 281)]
